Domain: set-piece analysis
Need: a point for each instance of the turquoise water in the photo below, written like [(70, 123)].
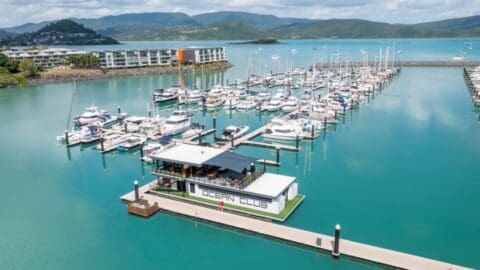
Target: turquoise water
[(400, 172)]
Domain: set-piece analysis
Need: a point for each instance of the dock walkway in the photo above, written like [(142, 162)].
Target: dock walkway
[(310, 239)]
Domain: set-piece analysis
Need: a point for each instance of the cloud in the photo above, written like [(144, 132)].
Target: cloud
[(394, 11)]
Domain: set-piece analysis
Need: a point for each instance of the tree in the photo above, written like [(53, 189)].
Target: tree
[(28, 67), (3, 60), (83, 61)]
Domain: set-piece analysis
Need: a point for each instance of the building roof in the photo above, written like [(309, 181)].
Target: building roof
[(270, 184), (231, 161), (194, 155)]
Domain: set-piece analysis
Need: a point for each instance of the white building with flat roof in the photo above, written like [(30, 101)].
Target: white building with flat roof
[(135, 58), (47, 58), (201, 55), (223, 176)]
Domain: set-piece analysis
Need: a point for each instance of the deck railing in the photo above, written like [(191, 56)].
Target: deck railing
[(216, 180)]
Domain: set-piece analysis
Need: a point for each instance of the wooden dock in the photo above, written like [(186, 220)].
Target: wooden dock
[(271, 145), (301, 237), (269, 162), (203, 134)]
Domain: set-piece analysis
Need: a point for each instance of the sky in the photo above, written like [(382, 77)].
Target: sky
[(392, 11)]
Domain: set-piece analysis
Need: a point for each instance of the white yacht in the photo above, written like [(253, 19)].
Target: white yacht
[(215, 97), (86, 134), (230, 103), (276, 102), (233, 132), (178, 122), (132, 141), (290, 105), (194, 130), (154, 147), (249, 103), (167, 95), (93, 114), (264, 94), (112, 141), (191, 97), (285, 132)]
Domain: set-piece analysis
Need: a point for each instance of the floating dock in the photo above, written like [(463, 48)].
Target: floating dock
[(321, 242), (411, 63)]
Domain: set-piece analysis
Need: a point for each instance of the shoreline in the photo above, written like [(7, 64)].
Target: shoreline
[(69, 75)]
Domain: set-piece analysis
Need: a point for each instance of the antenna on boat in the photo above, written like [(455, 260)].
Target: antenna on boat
[(71, 103)]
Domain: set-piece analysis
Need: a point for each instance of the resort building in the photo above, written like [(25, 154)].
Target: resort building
[(197, 55), (46, 58), (223, 177), (135, 58)]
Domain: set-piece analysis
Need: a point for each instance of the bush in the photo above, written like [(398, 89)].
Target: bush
[(4, 70), (21, 80), (8, 80), (83, 61), (12, 66), (28, 67), (3, 60)]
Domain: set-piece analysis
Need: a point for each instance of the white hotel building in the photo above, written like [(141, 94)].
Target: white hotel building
[(46, 58), (135, 58), (223, 176), (201, 55)]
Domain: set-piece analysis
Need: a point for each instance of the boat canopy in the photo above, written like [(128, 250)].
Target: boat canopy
[(231, 161)]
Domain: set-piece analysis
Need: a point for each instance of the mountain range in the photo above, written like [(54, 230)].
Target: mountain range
[(242, 25)]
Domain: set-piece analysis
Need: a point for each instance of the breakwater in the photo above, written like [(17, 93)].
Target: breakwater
[(405, 63)]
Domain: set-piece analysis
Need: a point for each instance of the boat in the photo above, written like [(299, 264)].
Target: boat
[(112, 141), (92, 114), (194, 130), (284, 132), (167, 95), (276, 102), (264, 94), (157, 146), (230, 103), (249, 103), (132, 141), (191, 97), (86, 134), (290, 105), (178, 122), (215, 97), (233, 132)]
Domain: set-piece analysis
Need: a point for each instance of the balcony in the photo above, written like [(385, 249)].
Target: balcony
[(211, 176)]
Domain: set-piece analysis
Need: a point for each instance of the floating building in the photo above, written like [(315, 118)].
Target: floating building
[(223, 177), (46, 58)]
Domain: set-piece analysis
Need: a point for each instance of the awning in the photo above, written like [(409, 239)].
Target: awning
[(231, 161)]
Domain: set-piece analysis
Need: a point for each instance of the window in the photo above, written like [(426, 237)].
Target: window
[(192, 187)]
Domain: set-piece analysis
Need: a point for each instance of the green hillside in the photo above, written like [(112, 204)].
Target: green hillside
[(63, 32)]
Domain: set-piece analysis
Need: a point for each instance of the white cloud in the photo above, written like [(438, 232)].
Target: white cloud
[(395, 11)]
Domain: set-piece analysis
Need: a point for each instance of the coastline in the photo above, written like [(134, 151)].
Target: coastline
[(61, 76)]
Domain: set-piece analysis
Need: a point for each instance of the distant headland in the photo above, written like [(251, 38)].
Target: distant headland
[(265, 41)]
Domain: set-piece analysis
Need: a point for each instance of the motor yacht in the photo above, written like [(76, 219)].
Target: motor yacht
[(178, 122)]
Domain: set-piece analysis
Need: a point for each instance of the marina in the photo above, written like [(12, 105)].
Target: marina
[(343, 128)]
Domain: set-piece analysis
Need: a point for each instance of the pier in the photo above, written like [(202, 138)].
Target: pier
[(309, 239), (408, 63)]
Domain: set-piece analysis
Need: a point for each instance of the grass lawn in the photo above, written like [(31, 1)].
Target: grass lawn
[(282, 216)]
